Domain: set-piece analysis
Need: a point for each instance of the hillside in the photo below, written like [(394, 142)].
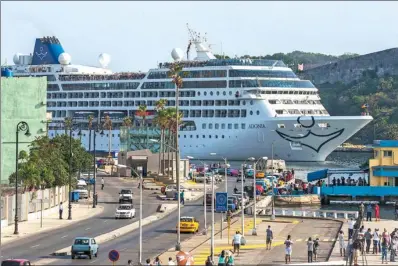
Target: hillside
[(348, 81)]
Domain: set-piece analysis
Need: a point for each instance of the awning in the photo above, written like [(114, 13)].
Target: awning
[(313, 176)]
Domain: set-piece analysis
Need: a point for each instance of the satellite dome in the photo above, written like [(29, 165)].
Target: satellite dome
[(177, 54), (104, 59), (16, 58), (64, 59)]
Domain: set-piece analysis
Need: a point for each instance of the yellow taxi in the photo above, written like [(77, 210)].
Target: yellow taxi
[(188, 225), (260, 175)]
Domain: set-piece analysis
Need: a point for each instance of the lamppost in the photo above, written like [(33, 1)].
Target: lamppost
[(242, 193), (254, 232), (72, 127), (95, 162), (21, 127), (204, 196), (273, 193)]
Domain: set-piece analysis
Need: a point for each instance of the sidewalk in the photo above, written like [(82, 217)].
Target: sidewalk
[(27, 228), (369, 259)]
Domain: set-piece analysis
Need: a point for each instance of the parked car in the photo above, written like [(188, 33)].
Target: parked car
[(81, 188), (15, 262), (231, 205), (126, 195), (125, 211), (84, 246), (188, 224)]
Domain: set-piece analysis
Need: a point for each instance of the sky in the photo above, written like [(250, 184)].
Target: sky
[(139, 35)]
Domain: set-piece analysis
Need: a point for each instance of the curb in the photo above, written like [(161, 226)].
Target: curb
[(121, 231)]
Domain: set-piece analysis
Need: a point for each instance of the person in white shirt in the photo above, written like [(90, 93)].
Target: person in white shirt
[(171, 262), (61, 209), (102, 184), (236, 241), (351, 224)]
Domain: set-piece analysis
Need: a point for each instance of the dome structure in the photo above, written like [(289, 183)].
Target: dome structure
[(64, 59), (16, 58), (177, 54), (104, 59)]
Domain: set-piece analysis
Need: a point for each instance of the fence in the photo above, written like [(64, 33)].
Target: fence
[(29, 206)]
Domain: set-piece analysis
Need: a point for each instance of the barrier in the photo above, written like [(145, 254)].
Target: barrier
[(331, 214)]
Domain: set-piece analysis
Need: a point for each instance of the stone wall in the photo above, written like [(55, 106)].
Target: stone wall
[(349, 70)]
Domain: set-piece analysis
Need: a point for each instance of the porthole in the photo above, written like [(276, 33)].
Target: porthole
[(205, 93), (216, 136), (197, 136), (204, 136), (218, 93), (211, 93), (222, 136), (209, 136), (230, 93), (258, 112), (251, 112), (251, 102), (224, 93), (244, 102), (198, 93)]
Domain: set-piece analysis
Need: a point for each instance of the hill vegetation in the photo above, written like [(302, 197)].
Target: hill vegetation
[(380, 93)]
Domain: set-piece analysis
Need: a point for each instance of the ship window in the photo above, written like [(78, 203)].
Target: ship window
[(387, 153), (323, 125), (224, 93), (251, 102), (204, 136), (203, 126), (211, 93), (251, 112), (210, 126), (230, 92), (242, 113), (222, 126), (236, 126), (218, 93), (198, 93), (209, 136), (243, 126), (281, 125), (185, 136), (229, 126), (258, 112), (216, 136), (216, 126), (205, 93), (244, 102), (222, 136), (197, 136)]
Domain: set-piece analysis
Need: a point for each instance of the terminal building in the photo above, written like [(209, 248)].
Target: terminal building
[(22, 99), (383, 168)]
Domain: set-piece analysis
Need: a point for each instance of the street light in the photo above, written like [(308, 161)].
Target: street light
[(254, 232), (243, 206), (212, 211), (95, 199), (72, 128), (273, 193), (21, 127)]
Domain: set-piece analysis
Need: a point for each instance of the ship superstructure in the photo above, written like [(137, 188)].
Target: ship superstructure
[(237, 108)]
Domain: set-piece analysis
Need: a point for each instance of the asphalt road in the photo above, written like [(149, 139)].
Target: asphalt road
[(157, 237), (45, 243)]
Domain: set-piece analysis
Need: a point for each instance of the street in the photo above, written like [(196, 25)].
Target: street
[(45, 243), (157, 237)]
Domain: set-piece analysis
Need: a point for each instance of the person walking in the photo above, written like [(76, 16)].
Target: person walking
[(129, 262), (361, 211), (341, 243), (377, 212), (368, 239), (356, 248), (288, 249), (369, 211), (148, 262), (171, 262), (102, 183), (236, 241), (394, 246), (182, 194), (270, 236), (221, 259), (209, 262), (61, 210), (310, 249), (384, 248), (316, 248), (351, 224), (376, 240), (157, 261)]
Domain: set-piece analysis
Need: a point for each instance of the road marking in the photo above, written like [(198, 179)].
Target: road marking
[(105, 221), (88, 228), (123, 249), (298, 240), (35, 246), (93, 261), (64, 236)]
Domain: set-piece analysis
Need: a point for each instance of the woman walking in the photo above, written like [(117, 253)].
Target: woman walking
[(341, 243), (376, 240), (222, 258), (310, 246), (377, 212), (288, 249), (384, 248)]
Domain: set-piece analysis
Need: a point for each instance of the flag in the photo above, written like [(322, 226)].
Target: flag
[(365, 106), (300, 67)]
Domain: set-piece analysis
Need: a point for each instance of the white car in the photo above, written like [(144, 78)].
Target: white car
[(171, 190), (125, 211), (126, 195)]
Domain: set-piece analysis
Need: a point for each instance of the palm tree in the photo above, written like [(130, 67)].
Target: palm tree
[(142, 111), (172, 127), (90, 127), (127, 122), (67, 124), (108, 126), (161, 121)]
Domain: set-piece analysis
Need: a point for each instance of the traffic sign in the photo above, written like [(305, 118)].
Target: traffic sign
[(113, 255), (221, 201)]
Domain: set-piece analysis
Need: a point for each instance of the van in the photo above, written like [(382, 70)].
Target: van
[(208, 200)]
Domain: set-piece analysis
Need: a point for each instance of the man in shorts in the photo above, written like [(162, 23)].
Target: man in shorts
[(236, 241), (270, 236)]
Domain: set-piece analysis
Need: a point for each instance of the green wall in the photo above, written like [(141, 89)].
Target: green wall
[(21, 100)]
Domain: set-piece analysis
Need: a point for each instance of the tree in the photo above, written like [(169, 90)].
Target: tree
[(160, 120), (127, 122), (142, 112), (108, 126)]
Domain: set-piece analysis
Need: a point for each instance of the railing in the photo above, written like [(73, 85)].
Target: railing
[(331, 214)]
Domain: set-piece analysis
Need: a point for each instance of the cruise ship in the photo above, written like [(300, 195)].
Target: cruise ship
[(236, 108)]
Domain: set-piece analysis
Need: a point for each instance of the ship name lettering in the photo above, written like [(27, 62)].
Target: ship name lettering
[(257, 126)]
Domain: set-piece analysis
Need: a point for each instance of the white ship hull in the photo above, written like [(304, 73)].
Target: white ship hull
[(256, 140)]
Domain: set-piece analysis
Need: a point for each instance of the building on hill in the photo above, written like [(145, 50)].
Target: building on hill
[(352, 69), (383, 168), (22, 99)]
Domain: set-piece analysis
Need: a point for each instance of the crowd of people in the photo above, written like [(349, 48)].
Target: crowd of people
[(348, 182), (115, 76)]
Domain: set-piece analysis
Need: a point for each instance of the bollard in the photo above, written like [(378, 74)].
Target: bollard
[(283, 212), (293, 213), (356, 215), (346, 216), (324, 214), (304, 213), (313, 214), (335, 215)]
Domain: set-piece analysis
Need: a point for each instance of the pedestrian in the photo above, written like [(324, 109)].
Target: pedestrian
[(148, 262), (236, 241), (369, 211), (316, 248), (157, 261), (310, 248), (61, 209), (394, 246), (288, 249), (368, 239), (377, 212), (270, 236), (171, 262), (102, 183), (209, 261), (130, 262), (384, 248), (341, 243), (231, 260), (182, 194), (376, 240), (356, 248), (221, 258), (361, 211), (351, 224)]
